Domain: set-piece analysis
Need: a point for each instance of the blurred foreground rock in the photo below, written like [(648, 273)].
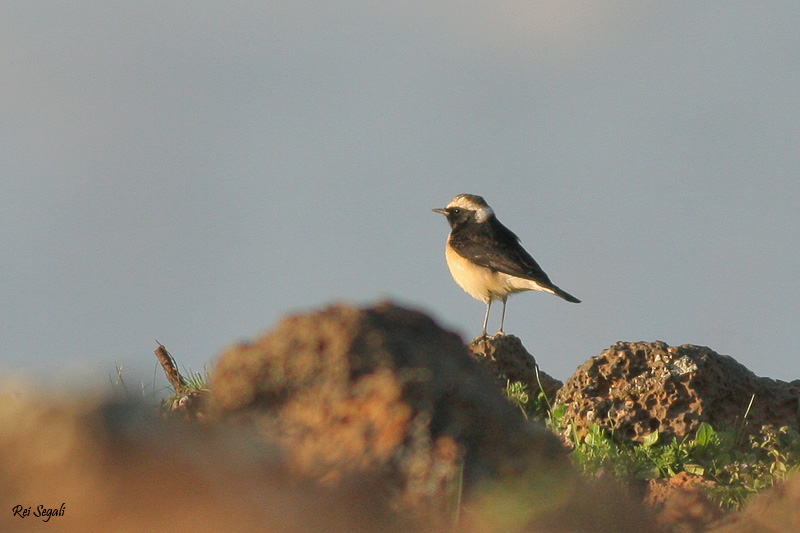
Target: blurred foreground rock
[(377, 419), (385, 391), (682, 503), (637, 388), (776, 510), (120, 467)]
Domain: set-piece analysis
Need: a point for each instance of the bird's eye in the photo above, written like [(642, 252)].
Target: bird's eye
[(456, 211)]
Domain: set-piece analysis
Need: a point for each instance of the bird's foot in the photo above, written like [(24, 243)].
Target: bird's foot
[(483, 338)]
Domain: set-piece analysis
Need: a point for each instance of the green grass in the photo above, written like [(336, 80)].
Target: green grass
[(196, 380), (738, 464)]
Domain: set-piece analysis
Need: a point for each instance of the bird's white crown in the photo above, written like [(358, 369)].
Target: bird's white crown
[(472, 202)]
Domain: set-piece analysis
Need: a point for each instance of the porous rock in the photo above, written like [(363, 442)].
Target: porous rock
[(635, 388), (384, 389), (508, 360)]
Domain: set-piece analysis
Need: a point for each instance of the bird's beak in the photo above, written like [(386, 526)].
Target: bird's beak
[(442, 211)]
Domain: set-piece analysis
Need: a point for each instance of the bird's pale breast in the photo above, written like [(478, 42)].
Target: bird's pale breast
[(483, 283)]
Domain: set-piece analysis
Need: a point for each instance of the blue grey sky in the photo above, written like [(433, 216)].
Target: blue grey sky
[(193, 171)]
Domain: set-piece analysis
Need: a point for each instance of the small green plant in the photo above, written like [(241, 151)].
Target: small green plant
[(537, 408), (738, 465), (767, 458), (735, 461), (517, 394), (196, 380)]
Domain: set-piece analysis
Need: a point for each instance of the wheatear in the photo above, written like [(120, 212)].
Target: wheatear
[(486, 259)]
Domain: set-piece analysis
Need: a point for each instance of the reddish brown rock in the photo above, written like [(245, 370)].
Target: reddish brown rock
[(120, 467), (682, 504), (633, 389), (508, 360), (384, 389), (380, 404), (121, 464)]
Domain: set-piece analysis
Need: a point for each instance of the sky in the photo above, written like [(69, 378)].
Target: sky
[(192, 172)]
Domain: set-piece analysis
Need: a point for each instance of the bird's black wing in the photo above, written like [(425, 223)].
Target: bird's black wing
[(494, 246)]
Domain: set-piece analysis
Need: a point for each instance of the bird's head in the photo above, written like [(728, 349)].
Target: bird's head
[(466, 208)]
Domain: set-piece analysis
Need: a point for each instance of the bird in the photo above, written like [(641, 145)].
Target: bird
[(486, 258)]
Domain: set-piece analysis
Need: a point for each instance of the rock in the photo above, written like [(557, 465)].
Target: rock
[(119, 466), (681, 503), (382, 390), (637, 388), (508, 360), (120, 463), (380, 405)]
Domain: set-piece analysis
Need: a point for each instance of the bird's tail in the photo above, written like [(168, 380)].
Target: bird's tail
[(564, 294)]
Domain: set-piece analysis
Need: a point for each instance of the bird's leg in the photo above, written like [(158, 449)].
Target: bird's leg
[(503, 316), (486, 318)]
